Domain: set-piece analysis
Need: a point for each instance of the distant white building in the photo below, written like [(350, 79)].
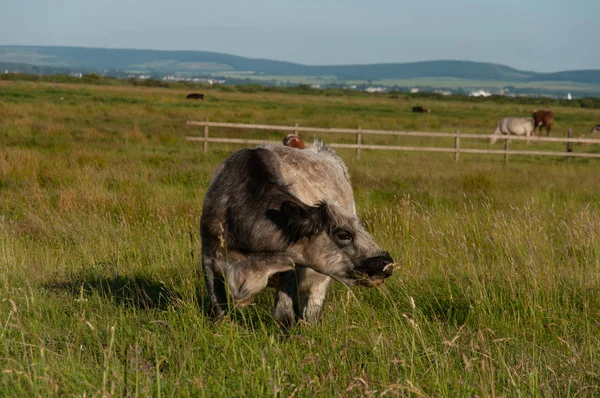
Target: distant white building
[(443, 92), (569, 96), (414, 90), (480, 93), (376, 89)]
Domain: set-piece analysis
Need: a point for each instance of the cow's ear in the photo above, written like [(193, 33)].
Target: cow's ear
[(302, 220)]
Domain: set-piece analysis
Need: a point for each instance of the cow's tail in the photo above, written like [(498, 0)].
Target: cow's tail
[(320, 146)]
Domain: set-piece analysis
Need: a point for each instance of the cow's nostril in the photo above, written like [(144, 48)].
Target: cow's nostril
[(388, 269), (387, 264), (386, 258)]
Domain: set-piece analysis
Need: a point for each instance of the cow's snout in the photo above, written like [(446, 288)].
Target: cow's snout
[(376, 269), (384, 265)]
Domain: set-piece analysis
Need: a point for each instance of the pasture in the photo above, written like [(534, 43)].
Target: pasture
[(497, 292)]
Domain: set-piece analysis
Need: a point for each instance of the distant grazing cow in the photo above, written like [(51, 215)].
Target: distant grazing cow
[(198, 96), (420, 109), (513, 125), (294, 141), (594, 134), (543, 118), (276, 216)]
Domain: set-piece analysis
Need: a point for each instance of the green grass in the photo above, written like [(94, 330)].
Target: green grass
[(497, 293)]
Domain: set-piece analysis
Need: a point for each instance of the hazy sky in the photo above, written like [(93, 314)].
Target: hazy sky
[(539, 35)]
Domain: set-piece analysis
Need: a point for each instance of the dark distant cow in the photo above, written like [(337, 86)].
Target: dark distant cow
[(420, 109), (543, 118), (276, 216), (513, 125), (198, 96), (294, 141)]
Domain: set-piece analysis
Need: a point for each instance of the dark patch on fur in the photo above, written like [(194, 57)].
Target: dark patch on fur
[(297, 220), (260, 213)]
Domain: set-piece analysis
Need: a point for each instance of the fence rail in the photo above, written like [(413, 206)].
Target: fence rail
[(359, 132)]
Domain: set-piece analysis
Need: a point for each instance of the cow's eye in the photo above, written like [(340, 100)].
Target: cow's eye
[(344, 237)]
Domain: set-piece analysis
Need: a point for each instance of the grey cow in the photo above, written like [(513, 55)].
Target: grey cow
[(278, 216), (513, 125)]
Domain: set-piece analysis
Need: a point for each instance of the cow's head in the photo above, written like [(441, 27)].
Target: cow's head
[(334, 242), (294, 141)]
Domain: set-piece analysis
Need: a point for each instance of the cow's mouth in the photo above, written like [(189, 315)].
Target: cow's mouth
[(374, 270)]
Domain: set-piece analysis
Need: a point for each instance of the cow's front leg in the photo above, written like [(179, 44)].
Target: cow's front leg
[(312, 290), (284, 311), (246, 275), (215, 286)]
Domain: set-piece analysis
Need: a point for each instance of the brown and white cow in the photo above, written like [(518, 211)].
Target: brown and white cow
[(294, 141), (543, 118), (278, 216)]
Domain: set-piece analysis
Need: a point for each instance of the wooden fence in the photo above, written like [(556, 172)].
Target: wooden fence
[(457, 136)]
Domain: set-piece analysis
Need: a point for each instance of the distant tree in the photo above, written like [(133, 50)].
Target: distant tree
[(154, 83), (91, 78)]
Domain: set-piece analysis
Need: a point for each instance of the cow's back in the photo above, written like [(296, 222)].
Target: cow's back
[(543, 117), (315, 174), (516, 125)]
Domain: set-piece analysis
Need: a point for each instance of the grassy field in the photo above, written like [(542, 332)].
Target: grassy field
[(497, 293)]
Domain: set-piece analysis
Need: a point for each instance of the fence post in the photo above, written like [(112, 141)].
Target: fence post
[(570, 144), (457, 146), (506, 146), (206, 136), (358, 142), (296, 131)]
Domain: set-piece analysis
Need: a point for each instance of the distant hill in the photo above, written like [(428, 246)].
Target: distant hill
[(412, 70), (583, 76), (98, 59)]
